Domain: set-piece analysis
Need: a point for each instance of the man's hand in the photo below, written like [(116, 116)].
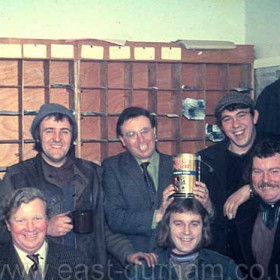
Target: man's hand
[(235, 200), (201, 193), (59, 225), (166, 200), (135, 258)]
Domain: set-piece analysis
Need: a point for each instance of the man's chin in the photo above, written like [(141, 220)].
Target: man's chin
[(144, 156), (58, 159)]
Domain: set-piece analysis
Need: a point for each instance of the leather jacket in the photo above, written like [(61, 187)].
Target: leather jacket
[(87, 187)]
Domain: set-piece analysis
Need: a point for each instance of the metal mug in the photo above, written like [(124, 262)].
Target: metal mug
[(82, 221)]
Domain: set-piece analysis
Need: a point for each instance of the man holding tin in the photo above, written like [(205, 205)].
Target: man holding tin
[(225, 164), (138, 183)]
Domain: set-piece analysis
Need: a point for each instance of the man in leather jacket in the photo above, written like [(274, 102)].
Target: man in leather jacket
[(69, 184)]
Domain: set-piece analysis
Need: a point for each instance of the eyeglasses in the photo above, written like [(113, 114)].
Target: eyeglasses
[(132, 135)]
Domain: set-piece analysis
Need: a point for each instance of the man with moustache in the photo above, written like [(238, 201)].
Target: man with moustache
[(225, 164), (134, 206), (69, 183), (29, 254), (260, 232)]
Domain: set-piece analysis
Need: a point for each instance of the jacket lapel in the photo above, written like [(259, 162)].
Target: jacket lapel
[(14, 269), (80, 182), (275, 256), (134, 172), (52, 263), (165, 174)]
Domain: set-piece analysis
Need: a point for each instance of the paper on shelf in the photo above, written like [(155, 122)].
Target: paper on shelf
[(10, 50), (118, 52), (170, 53), (62, 51), (35, 50), (93, 52), (194, 109), (144, 53)]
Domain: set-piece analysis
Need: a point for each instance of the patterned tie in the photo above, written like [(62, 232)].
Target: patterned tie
[(34, 272), (149, 181)]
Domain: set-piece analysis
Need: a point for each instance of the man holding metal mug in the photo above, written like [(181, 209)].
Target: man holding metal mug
[(69, 184)]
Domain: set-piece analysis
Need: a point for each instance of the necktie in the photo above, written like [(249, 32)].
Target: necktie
[(149, 181), (270, 213), (34, 272)]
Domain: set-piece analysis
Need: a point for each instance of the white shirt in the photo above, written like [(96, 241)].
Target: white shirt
[(27, 263)]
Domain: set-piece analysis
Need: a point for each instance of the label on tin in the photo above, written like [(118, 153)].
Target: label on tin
[(184, 174)]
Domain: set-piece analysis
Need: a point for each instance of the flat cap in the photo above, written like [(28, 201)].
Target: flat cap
[(49, 109), (233, 98)]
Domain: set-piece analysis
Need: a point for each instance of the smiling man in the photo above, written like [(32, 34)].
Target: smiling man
[(183, 235), (226, 162), (134, 201), (69, 184), (56, 137), (137, 183), (30, 255), (260, 232)]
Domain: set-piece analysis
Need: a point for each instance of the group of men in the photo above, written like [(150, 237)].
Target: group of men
[(132, 203)]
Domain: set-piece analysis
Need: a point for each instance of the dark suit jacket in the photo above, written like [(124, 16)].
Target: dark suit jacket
[(128, 207), (245, 227), (59, 258)]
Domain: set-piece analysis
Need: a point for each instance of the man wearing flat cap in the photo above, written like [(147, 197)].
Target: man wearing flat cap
[(225, 164), (69, 184)]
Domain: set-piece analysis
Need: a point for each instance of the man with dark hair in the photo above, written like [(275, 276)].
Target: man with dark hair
[(69, 184), (260, 232), (138, 183), (30, 255), (183, 235), (227, 160)]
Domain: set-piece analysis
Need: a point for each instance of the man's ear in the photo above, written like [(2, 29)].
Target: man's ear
[(256, 116), (8, 226), (122, 140)]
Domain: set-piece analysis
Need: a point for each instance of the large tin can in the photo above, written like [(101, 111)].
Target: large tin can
[(184, 174)]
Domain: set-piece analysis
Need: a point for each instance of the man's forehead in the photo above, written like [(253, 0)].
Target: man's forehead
[(188, 215), (234, 112), (24, 205), (52, 118), (63, 118), (275, 159), (140, 120)]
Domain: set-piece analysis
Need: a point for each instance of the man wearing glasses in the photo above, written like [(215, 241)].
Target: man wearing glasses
[(132, 206), (137, 183)]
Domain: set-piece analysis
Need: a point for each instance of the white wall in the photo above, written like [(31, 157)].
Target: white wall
[(262, 31), (136, 20), (253, 22), (262, 27)]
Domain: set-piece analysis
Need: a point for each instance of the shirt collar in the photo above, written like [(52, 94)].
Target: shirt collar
[(27, 262), (153, 160)]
